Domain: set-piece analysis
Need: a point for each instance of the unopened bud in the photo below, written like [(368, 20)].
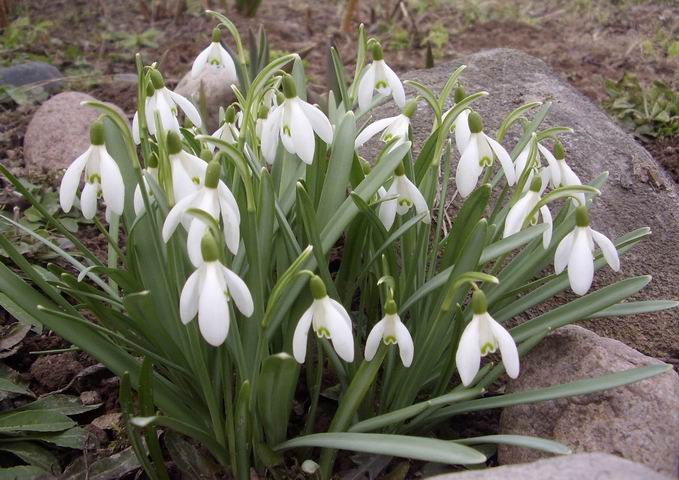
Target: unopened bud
[(230, 114), (459, 94), (157, 79)]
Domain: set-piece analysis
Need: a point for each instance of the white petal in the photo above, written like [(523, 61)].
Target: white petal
[(547, 220), (188, 301), (299, 338), (239, 292), (508, 350), (505, 159), (112, 185), (462, 132), (197, 230), (229, 66), (71, 180), (418, 200), (200, 62), (581, 263), (563, 253), (270, 134), (135, 129), (189, 109), (175, 216), (227, 198), (406, 347), (138, 201), (372, 343), (521, 160), (302, 134), (396, 86), (340, 333), (554, 170), (468, 169), (88, 200), (468, 355), (342, 312), (608, 249), (568, 177), (319, 122), (366, 87), (373, 129), (213, 308), (517, 215)]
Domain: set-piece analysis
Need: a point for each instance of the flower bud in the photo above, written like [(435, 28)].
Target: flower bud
[(97, 133), (479, 303), (459, 94), (214, 169), (209, 248), (174, 143), (475, 122), (230, 114), (317, 287), (157, 79), (153, 161), (216, 35), (409, 108), (390, 307), (289, 87), (536, 184), (559, 152), (377, 51), (365, 166), (206, 154), (582, 217)]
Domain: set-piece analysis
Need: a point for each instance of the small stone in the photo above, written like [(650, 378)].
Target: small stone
[(216, 85), (90, 397), (108, 421), (639, 421), (581, 466), (59, 131), (39, 74)]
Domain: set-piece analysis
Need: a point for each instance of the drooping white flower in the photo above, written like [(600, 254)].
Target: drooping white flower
[(102, 176), (460, 120), (483, 335), (479, 152), (379, 76), (215, 57), (294, 123), (162, 100), (576, 252), (229, 130), (391, 330), (152, 171), (568, 176), (188, 171), (552, 173), (391, 127), (329, 319), (213, 198), (407, 195), (521, 209), (207, 293)]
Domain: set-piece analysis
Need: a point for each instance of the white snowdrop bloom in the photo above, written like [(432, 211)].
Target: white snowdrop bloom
[(552, 173), (576, 252), (407, 195), (102, 176), (390, 330), (188, 171), (164, 101), (294, 123), (568, 176), (151, 170), (215, 57), (213, 198), (479, 152), (207, 293), (391, 127), (329, 319), (379, 76), (483, 335), (521, 209), (229, 130)]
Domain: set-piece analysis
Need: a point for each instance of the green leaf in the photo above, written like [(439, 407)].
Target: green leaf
[(635, 308), (34, 421), (275, 392), (72, 438), (111, 467), (58, 403), (417, 448), (33, 454), (189, 460), (6, 385), (22, 472), (535, 443)]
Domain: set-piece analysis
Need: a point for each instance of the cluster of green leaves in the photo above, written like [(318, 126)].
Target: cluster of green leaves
[(19, 36), (236, 400), (646, 111)]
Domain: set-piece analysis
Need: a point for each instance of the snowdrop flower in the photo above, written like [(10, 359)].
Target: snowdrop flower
[(483, 335), (552, 173), (215, 57), (152, 170), (568, 176), (188, 170), (390, 330), (461, 120), (294, 123), (478, 153), (378, 76), (520, 210), (328, 319), (102, 176), (164, 101), (213, 198), (576, 252), (407, 195), (391, 127), (207, 293), (229, 131)]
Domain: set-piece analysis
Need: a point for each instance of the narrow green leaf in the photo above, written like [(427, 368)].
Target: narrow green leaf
[(63, 404), (33, 454), (34, 421), (526, 441)]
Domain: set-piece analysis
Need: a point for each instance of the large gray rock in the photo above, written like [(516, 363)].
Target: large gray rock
[(39, 74), (639, 421), (216, 85), (638, 193), (582, 466), (59, 131)]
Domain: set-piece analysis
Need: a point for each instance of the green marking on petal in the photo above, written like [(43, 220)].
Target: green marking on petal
[(486, 162), (196, 180), (381, 84), (488, 347), (323, 332), (389, 340), (94, 178), (286, 130), (404, 202)]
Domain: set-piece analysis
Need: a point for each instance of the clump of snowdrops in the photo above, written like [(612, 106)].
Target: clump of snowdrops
[(279, 251)]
